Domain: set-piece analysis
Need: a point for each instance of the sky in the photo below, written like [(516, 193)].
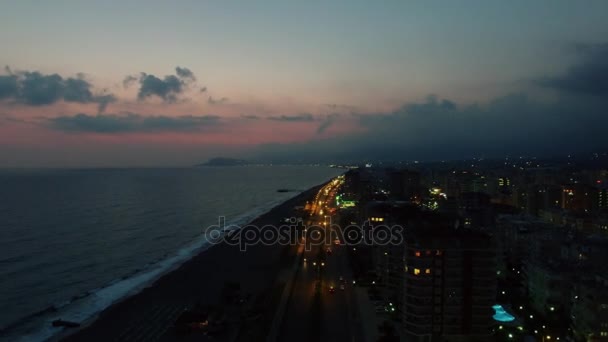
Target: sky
[(159, 83)]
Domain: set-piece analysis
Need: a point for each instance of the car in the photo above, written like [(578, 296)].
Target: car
[(329, 251), (332, 289), (342, 287), (341, 278), (337, 242)]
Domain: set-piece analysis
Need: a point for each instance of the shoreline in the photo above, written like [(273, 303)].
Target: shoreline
[(177, 289)]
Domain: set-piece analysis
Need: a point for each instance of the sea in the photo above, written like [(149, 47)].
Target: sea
[(73, 242)]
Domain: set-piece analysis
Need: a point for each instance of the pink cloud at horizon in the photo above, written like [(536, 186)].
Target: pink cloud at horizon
[(32, 126)]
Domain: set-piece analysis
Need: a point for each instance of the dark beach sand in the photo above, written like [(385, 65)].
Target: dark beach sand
[(150, 314)]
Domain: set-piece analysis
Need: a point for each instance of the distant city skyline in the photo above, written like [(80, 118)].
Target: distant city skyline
[(160, 84)]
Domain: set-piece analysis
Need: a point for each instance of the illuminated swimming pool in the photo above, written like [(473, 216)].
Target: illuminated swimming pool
[(501, 315)]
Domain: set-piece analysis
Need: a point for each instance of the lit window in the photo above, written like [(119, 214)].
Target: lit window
[(427, 271), (416, 271), (438, 252), (417, 253)]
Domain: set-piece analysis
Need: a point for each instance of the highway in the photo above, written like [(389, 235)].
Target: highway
[(314, 312)]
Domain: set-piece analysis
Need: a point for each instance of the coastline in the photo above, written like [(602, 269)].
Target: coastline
[(150, 312)]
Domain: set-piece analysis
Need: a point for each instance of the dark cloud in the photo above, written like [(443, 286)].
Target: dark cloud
[(103, 101), (590, 76), (185, 74), (77, 90), (250, 117), (327, 122), (37, 89), (181, 123), (168, 88), (437, 129), (340, 107), (8, 86), (129, 123), (213, 101), (303, 117)]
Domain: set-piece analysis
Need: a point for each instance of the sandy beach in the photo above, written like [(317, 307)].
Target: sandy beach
[(201, 281)]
